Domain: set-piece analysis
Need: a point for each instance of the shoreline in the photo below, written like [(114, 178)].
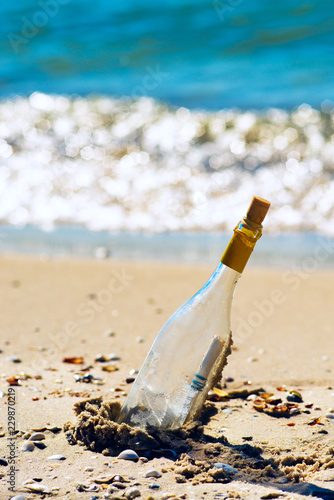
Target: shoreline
[(280, 251)]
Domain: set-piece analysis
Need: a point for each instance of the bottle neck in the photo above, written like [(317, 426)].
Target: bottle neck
[(241, 245)]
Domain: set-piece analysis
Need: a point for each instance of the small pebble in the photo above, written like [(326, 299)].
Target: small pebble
[(88, 469), (226, 468), (119, 478), (140, 340), (134, 371), (38, 488), (109, 333), (129, 380), (101, 357), (3, 462), (330, 415), (13, 359), (28, 446), (282, 480), (128, 455), (119, 485), (154, 486), (113, 357), (56, 457), (132, 493), (37, 436), (152, 473), (2, 394), (252, 360)]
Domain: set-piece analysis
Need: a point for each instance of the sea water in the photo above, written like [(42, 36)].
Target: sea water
[(143, 118)]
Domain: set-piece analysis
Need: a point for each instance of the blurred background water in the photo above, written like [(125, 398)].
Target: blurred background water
[(132, 117)]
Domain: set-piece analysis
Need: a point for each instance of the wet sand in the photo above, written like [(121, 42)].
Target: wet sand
[(282, 324)]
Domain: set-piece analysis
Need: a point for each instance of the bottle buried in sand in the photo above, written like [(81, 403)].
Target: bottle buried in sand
[(189, 353)]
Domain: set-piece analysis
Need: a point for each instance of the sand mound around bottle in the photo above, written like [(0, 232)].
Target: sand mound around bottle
[(97, 430)]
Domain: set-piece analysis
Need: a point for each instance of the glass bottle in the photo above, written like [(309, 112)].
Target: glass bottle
[(189, 353)]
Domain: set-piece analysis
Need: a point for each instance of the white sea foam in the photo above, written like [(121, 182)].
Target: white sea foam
[(122, 165)]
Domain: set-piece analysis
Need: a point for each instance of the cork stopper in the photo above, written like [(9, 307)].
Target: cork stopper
[(257, 209)]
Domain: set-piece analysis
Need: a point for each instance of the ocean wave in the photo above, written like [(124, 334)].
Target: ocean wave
[(139, 165)]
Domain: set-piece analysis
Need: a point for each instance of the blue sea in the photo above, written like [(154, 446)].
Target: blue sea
[(208, 54), (131, 118)]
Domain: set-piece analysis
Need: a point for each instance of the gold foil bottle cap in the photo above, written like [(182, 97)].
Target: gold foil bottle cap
[(257, 209)]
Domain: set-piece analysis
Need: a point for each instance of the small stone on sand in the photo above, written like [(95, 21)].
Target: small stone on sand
[(132, 493), (13, 359), (37, 436), (152, 473), (129, 455), (57, 457), (28, 446), (38, 488)]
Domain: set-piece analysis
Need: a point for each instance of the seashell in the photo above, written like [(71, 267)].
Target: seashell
[(37, 436), (28, 446), (128, 455), (294, 396), (53, 428), (87, 487), (102, 479), (28, 481), (152, 473), (38, 488), (57, 457)]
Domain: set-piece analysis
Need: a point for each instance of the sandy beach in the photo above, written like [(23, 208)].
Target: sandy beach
[(282, 322)]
